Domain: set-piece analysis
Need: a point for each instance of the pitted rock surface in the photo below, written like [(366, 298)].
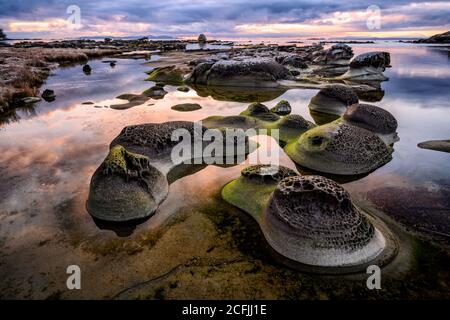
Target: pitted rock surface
[(342, 149), (282, 108), (372, 59), (340, 92), (260, 111), (371, 117), (319, 210), (152, 139), (267, 172), (295, 121)]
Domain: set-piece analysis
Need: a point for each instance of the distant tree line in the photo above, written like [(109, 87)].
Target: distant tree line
[(2, 35)]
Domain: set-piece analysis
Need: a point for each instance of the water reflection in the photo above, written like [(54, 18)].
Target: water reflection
[(48, 156)]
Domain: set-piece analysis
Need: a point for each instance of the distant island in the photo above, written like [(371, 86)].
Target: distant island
[(437, 38)]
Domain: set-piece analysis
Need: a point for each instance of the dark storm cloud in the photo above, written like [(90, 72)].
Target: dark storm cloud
[(216, 16)]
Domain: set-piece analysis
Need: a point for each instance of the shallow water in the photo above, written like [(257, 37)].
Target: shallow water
[(49, 154)]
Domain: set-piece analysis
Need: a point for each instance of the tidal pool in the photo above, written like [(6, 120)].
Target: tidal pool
[(197, 246)]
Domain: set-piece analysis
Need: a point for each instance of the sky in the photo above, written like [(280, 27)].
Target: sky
[(221, 19)]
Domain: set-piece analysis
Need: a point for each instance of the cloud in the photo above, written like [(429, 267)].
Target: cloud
[(223, 18)]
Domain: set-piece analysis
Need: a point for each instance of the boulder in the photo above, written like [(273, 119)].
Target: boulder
[(333, 99), (282, 108), (253, 72), (371, 117), (126, 187), (339, 148), (368, 67)]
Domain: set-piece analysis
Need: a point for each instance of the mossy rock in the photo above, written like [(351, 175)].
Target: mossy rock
[(339, 148), (295, 214), (168, 75), (282, 108), (125, 187)]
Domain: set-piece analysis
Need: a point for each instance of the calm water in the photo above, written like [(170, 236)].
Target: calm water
[(49, 154)]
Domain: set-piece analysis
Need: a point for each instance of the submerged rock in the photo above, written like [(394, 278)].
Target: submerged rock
[(126, 187), (252, 72), (282, 108), (437, 145), (339, 148), (155, 92), (183, 89), (185, 107), (368, 67), (333, 99)]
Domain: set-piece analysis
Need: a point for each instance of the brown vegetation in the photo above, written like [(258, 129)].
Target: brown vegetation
[(23, 70)]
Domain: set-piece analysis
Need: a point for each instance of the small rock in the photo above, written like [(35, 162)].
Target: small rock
[(183, 89), (30, 100), (185, 107), (87, 69), (48, 95)]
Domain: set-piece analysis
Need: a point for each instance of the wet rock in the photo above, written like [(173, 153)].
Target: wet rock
[(253, 72), (295, 61), (125, 187), (183, 89), (371, 117), (267, 172), (295, 121), (338, 54), (87, 69), (168, 75), (260, 111), (186, 107), (153, 139), (333, 99), (312, 220), (282, 108), (155, 92), (202, 38), (30, 100), (87, 103), (48, 95), (437, 145), (339, 148), (368, 67)]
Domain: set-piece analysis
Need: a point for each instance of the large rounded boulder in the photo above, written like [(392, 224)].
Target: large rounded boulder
[(339, 148), (251, 72), (126, 187), (333, 99), (312, 220), (368, 67)]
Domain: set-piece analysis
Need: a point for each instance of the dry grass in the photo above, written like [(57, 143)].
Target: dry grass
[(23, 70)]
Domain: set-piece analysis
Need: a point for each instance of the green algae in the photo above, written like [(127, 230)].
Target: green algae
[(168, 75)]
